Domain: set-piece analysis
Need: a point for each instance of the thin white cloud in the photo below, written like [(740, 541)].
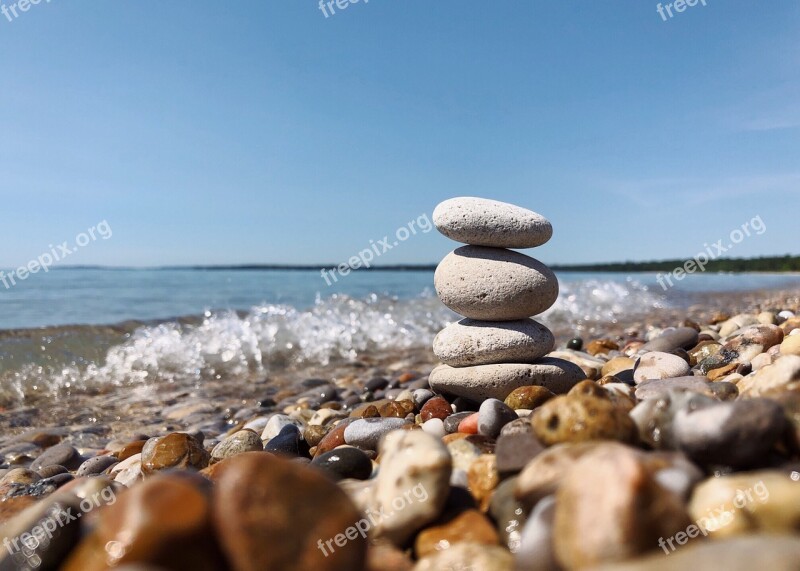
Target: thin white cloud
[(698, 191)]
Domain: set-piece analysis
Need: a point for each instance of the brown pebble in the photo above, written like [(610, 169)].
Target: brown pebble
[(529, 397), (601, 346), (176, 450), (436, 407), (580, 418), (469, 526)]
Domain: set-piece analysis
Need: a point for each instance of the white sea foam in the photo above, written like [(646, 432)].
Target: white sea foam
[(335, 329)]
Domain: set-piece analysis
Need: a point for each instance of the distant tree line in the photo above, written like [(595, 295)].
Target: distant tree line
[(766, 264)]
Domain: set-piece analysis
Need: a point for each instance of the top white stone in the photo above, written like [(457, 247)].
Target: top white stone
[(484, 222)]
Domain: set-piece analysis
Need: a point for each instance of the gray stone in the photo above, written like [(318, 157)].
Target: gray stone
[(492, 284), (367, 432), (63, 454), (536, 542), (658, 365), (515, 450), (484, 222), (471, 342), (497, 381), (738, 433), (96, 465), (680, 338), (493, 416), (242, 441)]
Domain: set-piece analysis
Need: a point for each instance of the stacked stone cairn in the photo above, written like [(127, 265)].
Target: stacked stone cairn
[(497, 347)]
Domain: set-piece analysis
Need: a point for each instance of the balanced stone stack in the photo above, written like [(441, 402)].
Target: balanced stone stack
[(498, 347)]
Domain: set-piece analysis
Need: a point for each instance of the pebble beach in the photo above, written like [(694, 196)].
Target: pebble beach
[(665, 439)]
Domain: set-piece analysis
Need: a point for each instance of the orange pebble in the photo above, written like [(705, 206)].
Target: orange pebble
[(469, 425)]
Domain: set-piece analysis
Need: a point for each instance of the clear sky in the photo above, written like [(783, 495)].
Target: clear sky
[(261, 131)]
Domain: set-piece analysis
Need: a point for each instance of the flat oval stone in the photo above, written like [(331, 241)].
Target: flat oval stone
[(493, 284), (469, 342), (498, 381), (484, 222), (657, 365), (367, 432), (680, 338)]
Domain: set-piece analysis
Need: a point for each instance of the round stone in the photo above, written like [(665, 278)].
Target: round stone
[(493, 284), (471, 342), (493, 416), (498, 381), (484, 222), (657, 365), (344, 462)]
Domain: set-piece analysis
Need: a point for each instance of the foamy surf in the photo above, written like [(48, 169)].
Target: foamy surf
[(230, 344)]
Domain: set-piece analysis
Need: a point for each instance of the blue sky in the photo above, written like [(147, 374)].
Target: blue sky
[(223, 133)]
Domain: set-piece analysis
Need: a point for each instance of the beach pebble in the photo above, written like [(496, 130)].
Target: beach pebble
[(543, 474), (288, 442), (744, 347), (484, 222), (654, 417), (242, 441), (469, 526), (622, 513), (344, 462), (469, 342), (176, 450), (63, 454), (750, 502), (657, 365), (463, 454), (367, 432), (492, 284), (509, 513), (528, 397), (434, 427), (129, 471), (782, 375), (421, 396), (617, 365), (791, 345), (415, 466), (275, 424), (163, 521), (515, 450), (452, 422), (536, 551), (580, 418), (737, 322), (493, 416), (738, 433), (96, 465), (437, 407), (482, 479), (679, 338), (497, 381), (270, 513), (40, 548)]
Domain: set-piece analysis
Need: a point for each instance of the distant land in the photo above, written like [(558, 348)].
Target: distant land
[(769, 264)]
